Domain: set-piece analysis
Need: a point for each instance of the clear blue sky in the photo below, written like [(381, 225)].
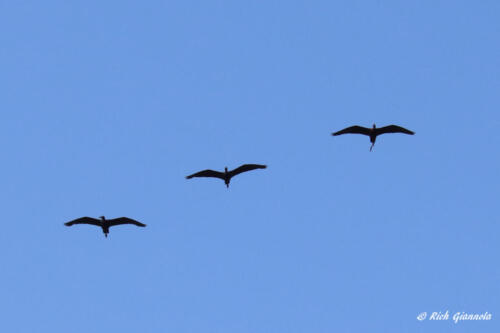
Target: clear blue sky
[(107, 105)]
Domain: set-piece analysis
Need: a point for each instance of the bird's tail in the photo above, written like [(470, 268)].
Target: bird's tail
[(371, 147)]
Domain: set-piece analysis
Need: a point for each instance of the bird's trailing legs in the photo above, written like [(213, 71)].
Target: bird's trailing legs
[(105, 230), (373, 138), (227, 177)]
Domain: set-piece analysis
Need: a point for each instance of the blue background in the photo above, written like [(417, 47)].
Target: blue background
[(105, 107)]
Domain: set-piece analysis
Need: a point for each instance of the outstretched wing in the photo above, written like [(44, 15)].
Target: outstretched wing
[(245, 168), (393, 129), (125, 220), (353, 130), (84, 220), (207, 173)]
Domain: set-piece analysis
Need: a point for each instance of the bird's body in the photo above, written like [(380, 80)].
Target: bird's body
[(226, 175), (103, 223), (373, 132)]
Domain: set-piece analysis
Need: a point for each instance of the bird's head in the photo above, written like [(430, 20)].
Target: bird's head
[(102, 218), (225, 169), (374, 126)]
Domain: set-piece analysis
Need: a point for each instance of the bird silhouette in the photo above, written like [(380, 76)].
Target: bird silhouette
[(373, 132), (227, 175), (103, 223)]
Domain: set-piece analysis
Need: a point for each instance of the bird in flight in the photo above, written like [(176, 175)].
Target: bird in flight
[(227, 175), (373, 132), (103, 223)]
